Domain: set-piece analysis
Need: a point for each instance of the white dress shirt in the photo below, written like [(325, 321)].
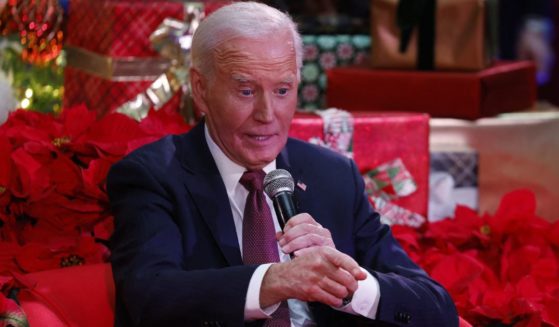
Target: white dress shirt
[(366, 298)]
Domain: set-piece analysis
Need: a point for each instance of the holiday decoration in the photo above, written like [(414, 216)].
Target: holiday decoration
[(503, 87), (134, 59), (374, 139), (38, 23), (322, 52), (172, 39), (501, 269), (35, 86), (53, 207)]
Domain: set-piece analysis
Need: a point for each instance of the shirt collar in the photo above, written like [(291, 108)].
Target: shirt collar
[(230, 171)]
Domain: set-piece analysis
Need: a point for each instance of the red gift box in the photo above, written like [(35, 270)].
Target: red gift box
[(110, 57), (104, 95), (118, 28), (505, 87), (379, 138)]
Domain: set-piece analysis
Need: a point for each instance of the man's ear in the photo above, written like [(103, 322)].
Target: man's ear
[(199, 87)]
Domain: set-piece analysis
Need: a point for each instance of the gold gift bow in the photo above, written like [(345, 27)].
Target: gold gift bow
[(172, 40)]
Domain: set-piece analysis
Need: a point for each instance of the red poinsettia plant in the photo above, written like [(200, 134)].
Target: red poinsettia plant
[(501, 269), (54, 210)]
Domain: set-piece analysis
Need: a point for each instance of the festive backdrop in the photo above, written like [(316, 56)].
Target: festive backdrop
[(88, 98)]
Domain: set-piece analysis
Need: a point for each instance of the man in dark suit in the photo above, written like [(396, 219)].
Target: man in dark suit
[(195, 243)]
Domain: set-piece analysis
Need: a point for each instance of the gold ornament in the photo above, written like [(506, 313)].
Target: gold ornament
[(38, 23)]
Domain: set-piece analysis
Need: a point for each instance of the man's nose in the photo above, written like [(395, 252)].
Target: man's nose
[(264, 109)]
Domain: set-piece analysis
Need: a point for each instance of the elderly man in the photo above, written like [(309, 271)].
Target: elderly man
[(195, 241)]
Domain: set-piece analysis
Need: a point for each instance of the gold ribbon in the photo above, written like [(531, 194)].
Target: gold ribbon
[(124, 69), (172, 40)]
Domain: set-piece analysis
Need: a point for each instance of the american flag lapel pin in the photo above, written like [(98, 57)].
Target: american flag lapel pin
[(302, 185)]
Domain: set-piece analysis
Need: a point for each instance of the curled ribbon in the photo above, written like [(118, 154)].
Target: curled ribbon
[(388, 182), (338, 131), (383, 184), (173, 40)]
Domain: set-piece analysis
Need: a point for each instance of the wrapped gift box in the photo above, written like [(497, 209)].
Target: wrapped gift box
[(322, 52), (379, 138), (110, 58), (452, 35), (453, 180), (504, 87), (515, 151)]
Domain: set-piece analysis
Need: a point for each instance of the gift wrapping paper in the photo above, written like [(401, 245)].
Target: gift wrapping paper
[(463, 34), (110, 56), (103, 95), (118, 28), (379, 138), (322, 52), (453, 181), (503, 87), (516, 151), (460, 164)]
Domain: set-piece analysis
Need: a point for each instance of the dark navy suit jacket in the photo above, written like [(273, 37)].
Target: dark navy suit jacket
[(175, 254)]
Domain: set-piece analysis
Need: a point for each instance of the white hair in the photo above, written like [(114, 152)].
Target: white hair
[(249, 19)]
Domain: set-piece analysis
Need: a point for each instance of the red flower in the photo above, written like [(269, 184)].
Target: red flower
[(104, 228), (501, 268), (162, 122), (553, 234), (59, 253), (550, 314), (465, 230), (94, 178), (67, 213), (515, 214), (30, 181), (6, 172), (53, 172), (8, 251), (408, 237), (76, 121), (529, 260), (112, 135)]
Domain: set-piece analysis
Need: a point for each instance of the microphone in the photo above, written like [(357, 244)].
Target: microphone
[(279, 186)]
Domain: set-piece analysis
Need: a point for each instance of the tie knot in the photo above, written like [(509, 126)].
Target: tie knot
[(252, 180)]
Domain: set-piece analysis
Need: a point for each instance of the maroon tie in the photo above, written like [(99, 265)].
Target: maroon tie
[(259, 240)]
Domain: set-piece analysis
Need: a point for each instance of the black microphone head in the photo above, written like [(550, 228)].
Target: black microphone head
[(278, 181)]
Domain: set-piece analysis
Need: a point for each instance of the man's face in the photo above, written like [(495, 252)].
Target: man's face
[(251, 98)]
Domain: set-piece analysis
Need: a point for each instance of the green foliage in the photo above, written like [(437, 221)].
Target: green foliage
[(44, 81)]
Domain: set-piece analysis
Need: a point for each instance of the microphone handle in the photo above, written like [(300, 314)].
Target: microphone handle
[(284, 207)]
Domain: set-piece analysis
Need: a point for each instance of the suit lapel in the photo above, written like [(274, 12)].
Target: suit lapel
[(284, 161), (208, 192)]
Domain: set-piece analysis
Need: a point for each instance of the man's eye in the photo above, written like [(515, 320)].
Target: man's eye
[(247, 92), (282, 91)]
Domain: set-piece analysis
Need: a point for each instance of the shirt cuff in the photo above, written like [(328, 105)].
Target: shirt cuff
[(253, 310), (365, 299)]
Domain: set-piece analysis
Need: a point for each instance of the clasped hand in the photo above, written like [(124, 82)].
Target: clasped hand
[(318, 272)]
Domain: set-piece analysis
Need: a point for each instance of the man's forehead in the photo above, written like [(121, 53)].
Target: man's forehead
[(287, 77), (240, 55), (274, 53)]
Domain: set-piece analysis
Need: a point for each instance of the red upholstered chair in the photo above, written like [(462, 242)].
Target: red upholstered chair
[(77, 296)]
